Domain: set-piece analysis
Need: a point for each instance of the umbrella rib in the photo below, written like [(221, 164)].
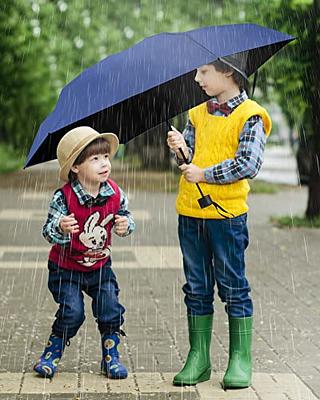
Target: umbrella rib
[(200, 45)]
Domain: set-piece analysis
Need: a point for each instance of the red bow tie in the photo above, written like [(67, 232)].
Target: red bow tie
[(223, 108)]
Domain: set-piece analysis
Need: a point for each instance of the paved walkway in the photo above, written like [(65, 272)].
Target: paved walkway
[(279, 166), (283, 268)]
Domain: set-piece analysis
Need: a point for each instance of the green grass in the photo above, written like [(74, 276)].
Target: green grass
[(10, 160), (169, 180), (258, 187), (295, 222)]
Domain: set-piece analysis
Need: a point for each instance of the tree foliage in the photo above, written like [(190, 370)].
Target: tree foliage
[(46, 43), (25, 79)]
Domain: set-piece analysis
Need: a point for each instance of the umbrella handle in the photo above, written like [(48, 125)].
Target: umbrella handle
[(205, 203), (205, 200)]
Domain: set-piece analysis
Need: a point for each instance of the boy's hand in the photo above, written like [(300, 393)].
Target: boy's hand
[(68, 224), (176, 141), (121, 225), (192, 173)]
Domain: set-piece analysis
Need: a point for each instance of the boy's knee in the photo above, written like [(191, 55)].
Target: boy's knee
[(67, 327), (72, 314), (78, 319)]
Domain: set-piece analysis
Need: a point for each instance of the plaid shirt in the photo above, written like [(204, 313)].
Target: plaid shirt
[(249, 156), (58, 208)]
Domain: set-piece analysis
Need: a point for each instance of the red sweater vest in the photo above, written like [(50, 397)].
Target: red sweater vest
[(90, 248)]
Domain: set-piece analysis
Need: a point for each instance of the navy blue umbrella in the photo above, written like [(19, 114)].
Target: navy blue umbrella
[(139, 88)]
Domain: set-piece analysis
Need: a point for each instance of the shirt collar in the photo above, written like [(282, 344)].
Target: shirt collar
[(85, 198), (235, 101)]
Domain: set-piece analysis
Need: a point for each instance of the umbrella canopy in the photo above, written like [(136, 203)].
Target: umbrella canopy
[(139, 88)]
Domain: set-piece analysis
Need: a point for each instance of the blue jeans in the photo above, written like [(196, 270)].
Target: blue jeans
[(67, 289), (213, 252)]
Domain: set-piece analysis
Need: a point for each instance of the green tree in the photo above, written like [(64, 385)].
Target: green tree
[(313, 209), (295, 78), (46, 43), (291, 77), (24, 77)]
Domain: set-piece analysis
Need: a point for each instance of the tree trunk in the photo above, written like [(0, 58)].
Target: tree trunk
[(155, 153), (151, 147), (313, 208)]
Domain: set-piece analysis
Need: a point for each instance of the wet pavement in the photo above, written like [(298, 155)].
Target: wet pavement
[(282, 266), (279, 165)]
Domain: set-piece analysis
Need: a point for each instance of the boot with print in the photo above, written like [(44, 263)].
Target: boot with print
[(110, 364), (48, 362)]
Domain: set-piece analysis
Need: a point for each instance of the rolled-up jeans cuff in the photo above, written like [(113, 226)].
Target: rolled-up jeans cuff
[(107, 329)]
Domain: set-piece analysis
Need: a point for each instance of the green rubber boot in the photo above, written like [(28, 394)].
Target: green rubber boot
[(198, 366), (239, 371)]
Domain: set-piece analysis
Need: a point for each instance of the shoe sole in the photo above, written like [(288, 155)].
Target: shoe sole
[(111, 376), (236, 385), (43, 374), (116, 377), (202, 378)]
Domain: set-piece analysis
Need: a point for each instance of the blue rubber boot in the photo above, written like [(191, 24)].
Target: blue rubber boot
[(48, 362), (110, 364)]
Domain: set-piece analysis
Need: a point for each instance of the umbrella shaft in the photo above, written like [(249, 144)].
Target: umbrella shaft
[(187, 162)]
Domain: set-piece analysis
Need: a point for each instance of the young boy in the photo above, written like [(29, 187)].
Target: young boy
[(223, 142), (81, 216)]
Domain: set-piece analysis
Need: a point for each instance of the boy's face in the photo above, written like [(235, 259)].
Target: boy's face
[(213, 82), (94, 170)]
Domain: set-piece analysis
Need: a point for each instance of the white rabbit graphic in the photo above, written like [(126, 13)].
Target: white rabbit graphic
[(94, 238)]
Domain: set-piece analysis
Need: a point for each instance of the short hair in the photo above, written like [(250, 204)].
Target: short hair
[(98, 146), (238, 79)]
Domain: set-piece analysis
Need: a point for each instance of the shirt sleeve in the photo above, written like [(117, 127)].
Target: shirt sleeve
[(124, 211), (51, 230), (248, 158), (188, 134)]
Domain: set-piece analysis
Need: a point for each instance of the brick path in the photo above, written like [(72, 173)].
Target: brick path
[(283, 269)]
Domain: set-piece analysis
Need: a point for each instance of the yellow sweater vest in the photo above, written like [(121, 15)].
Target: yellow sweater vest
[(216, 140)]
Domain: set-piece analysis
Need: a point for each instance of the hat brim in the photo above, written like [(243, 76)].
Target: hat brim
[(111, 138)]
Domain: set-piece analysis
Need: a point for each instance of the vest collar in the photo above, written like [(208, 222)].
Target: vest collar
[(86, 199)]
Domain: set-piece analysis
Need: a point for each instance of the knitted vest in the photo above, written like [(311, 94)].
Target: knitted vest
[(216, 140), (90, 248)]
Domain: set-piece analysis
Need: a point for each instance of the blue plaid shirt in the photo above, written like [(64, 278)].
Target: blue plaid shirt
[(249, 156), (58, 208)]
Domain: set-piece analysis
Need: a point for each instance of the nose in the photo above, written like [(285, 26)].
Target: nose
[(196, 78), (104, 162)]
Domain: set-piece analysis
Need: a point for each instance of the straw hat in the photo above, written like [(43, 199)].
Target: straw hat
[(74, 141)]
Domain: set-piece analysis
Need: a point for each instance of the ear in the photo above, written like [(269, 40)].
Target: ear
[(91, 222), (107, 219), (75, 169), (228, 74)]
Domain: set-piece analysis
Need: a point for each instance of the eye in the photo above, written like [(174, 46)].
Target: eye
[(106, 155), (94, 158)]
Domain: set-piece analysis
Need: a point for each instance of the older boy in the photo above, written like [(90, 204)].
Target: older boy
[(223, 142), (81, 216)]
